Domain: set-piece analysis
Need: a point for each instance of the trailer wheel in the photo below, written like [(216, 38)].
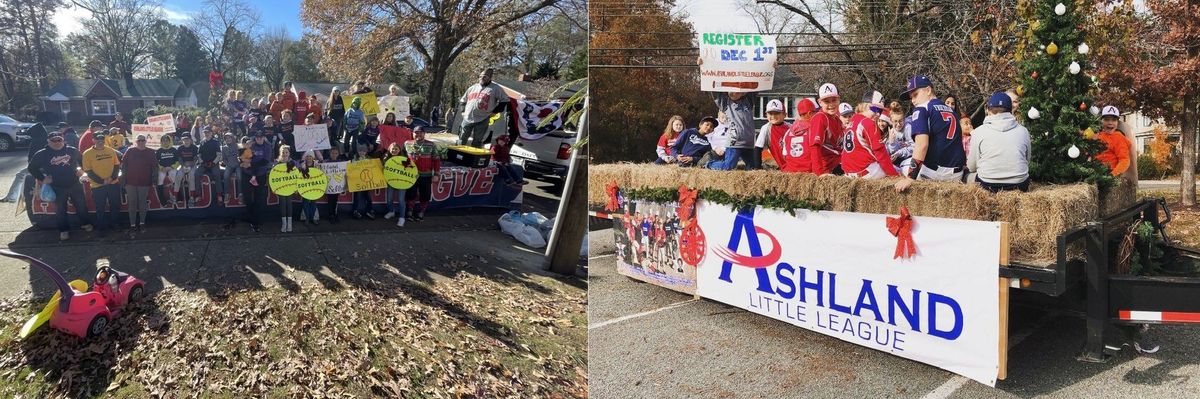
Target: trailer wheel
[(97, 326)]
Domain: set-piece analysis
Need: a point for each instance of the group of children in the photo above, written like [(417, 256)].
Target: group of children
[(651, 242), (873, 140)]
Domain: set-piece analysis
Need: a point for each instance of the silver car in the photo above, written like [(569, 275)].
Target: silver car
[(12, 133)]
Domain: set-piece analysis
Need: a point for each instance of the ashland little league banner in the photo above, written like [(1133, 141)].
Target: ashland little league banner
[(834, 273), (737, 62)]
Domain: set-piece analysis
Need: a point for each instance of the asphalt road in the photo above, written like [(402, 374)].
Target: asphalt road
[(650, 342)]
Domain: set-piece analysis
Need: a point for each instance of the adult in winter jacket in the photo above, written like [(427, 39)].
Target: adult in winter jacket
[(138, 169), (1000, 147), (58, 165)]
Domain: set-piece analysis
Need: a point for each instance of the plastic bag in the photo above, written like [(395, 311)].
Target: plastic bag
[(546, 228), (533, 219), (530, 236), (47, 194), (509, 223)]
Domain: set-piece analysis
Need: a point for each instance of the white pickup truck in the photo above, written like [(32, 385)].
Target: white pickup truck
[(546, 157)]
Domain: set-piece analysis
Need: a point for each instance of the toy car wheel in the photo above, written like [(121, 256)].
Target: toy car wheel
[(135, 295), (97, 326)]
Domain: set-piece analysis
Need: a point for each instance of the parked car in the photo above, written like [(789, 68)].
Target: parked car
[(12, 133), (425, 125)]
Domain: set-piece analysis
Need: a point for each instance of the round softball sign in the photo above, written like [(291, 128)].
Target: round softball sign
[(283, 182), (398, 176), (312, 188), (692, 244)]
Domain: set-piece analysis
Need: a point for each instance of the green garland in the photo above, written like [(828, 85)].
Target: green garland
[(771, 199)]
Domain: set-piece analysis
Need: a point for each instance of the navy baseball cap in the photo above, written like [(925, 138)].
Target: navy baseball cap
[(710, 119), (917, 82), (1000, 100)]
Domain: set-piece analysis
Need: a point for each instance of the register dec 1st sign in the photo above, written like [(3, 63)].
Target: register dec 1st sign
[(735, 62)]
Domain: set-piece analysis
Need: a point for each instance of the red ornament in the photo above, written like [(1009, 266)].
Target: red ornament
[(901, 228), (692, 245), (1082, 106), (613, 203), (1033, 75)]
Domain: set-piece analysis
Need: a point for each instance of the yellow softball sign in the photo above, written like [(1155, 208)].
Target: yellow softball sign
[(282, 181), (312, 188), (365, 175), (398, 175)]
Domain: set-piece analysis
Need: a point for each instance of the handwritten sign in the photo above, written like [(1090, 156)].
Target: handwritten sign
[(398, 175), (165, 120), (153, 133), (737, 62), (365, 175), (313, 187), (311, 137), (336, 171), (395, 104), (370, 105)]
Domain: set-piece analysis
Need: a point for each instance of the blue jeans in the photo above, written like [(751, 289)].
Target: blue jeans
[(75, 194), (309, 207), (394, 198), (362, 202), (732, 156), (108, 205), (509, 172)]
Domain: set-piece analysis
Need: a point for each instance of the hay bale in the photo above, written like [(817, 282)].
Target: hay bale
[(925, 198), (599, 175), (1037, 217), (1118, 198)]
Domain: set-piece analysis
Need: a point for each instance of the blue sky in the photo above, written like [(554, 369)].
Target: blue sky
[(272, 13)]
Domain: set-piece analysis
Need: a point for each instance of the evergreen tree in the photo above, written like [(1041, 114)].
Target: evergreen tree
[(1061, 98)]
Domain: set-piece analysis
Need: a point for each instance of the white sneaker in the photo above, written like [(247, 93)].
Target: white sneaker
[(303, 217), (389, 215), (400, 222), (63, 236), (316, 216)]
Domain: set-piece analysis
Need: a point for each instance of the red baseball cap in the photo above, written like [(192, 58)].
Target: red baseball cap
[(805, 106)]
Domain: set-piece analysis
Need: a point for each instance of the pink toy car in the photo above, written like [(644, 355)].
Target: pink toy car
[(74, 309)]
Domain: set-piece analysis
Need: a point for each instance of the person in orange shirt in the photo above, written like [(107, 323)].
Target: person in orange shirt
[(1116, 152)]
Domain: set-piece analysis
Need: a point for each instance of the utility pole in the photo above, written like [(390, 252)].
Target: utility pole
[(570, 223)]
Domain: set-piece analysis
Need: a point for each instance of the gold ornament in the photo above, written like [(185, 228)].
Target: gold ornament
[(1052, 49), (1089, 133), (1020, 90)]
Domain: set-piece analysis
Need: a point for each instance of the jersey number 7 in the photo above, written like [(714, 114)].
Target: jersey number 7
[(949, 118)]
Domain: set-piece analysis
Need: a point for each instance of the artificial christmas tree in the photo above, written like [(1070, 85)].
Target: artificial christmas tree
[(1056, 99)]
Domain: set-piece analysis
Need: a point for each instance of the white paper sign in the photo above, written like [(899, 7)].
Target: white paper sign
[(153, 133), (337, 176), (394, 104), (834, 273), (737, 62), (311, 137), (165, 120)]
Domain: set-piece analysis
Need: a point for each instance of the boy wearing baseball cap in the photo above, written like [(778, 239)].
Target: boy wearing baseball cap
[(771, 134), (1116, 152), (863, 153), (825, 131), (846, 111), (999, 154), (938, 151), (792, 157)]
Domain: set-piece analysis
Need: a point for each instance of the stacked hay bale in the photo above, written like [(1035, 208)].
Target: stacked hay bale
[(1035, 218)]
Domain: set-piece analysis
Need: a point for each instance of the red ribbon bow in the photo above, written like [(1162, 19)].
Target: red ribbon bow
[(612, 189), (214, 79), (687, 205), (901, 228)]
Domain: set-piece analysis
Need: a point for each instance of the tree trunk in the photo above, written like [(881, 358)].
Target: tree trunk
[(1187, 140), (433, 95)]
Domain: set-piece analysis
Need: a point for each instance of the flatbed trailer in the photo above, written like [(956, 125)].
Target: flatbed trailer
[(1087, 287)]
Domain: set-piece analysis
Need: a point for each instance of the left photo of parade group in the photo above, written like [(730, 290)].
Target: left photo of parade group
[(293, 198)]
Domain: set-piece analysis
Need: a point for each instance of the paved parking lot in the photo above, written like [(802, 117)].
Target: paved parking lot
[(646, 341)]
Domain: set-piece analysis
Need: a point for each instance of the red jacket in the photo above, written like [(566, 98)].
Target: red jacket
[(823, 142), (864, 146), (501, 149)]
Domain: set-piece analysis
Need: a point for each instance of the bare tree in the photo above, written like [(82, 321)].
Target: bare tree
[(268, 57), (218, 28), (119, 34)]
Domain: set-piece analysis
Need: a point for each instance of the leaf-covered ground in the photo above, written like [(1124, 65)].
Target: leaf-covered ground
[(1184, 227), (467, 336)]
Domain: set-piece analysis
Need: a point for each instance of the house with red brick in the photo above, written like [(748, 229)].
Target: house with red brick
[(80, 101)]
